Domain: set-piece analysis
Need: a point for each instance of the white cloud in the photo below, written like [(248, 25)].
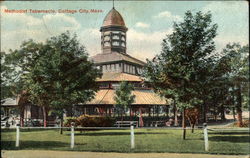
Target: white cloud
[(18, 27), (91, 39), (168, 15), (142, 25), (222, 40), (145, 45)]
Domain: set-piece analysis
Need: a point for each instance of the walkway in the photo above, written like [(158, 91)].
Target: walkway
[(70, 154)]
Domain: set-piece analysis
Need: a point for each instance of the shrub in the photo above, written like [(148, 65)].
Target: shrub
[(245, 123), (95, 121), (90, 121), (68, 120)]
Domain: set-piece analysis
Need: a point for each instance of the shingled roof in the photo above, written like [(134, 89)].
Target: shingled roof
[(113, 76), (142, 97), (114, 56)]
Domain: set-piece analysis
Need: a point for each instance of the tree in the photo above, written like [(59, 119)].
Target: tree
[(55, 75), (236, 58), (175, 71), (62, 76), (13, 69), (123, 97)]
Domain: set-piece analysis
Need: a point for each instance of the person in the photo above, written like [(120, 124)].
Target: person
[(170, 122)]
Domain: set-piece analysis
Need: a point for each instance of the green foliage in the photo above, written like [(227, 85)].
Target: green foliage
[(236, 59), (63, 75), (56, 74), (123, 96), (181, 67)]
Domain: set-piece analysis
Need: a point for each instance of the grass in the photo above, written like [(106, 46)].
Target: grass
[(146, 140)]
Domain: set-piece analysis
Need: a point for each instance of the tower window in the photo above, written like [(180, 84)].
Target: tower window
[(116, 32), (115, 43), (106, 38), (106, 33), (115, 37), (123, 44), (123, 38), (107, 44)]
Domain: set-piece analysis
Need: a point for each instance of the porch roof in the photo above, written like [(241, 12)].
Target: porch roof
[(142, 97)]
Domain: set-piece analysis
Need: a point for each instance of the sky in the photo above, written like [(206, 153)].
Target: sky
[(148, 22)]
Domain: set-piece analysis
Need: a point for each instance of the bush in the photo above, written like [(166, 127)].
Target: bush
[(90, 121), (68, 120), (245, 123)]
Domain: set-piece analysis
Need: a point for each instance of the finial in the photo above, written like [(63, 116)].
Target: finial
[(113, 4)]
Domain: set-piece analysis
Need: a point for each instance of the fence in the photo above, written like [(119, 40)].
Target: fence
[(132, 132), (72, 133)]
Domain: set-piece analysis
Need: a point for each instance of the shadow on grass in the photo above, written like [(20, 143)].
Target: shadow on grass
[(231, 133), (10, 145), (233, 139), (115, 133)]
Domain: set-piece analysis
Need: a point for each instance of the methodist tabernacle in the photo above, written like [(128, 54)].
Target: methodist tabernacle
[(117, 65)]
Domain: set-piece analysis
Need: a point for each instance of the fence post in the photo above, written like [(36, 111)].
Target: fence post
[(17, 135), (205, 137), (72, 142), (132, 138)]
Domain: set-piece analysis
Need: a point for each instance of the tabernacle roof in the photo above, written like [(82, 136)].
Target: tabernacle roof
[(142, 97)]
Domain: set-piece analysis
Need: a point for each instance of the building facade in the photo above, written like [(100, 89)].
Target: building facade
[(117, 65)]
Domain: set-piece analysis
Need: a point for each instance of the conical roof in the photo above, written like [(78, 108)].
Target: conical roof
[(113, 18)]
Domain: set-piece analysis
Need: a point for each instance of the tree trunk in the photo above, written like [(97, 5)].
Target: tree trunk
[(122, 115), (61, 129), (239, 106), (175, 114), (222, 111), (215, 113), (234, 113), (204, 112), (21, 117), (184, 124), (44, 117), (193, 128)]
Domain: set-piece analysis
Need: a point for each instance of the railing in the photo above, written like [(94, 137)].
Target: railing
[(126, 123)]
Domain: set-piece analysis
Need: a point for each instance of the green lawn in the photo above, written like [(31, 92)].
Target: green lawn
[(146, 140)]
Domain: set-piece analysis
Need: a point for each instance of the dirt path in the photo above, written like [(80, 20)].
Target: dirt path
[(70, 154)]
